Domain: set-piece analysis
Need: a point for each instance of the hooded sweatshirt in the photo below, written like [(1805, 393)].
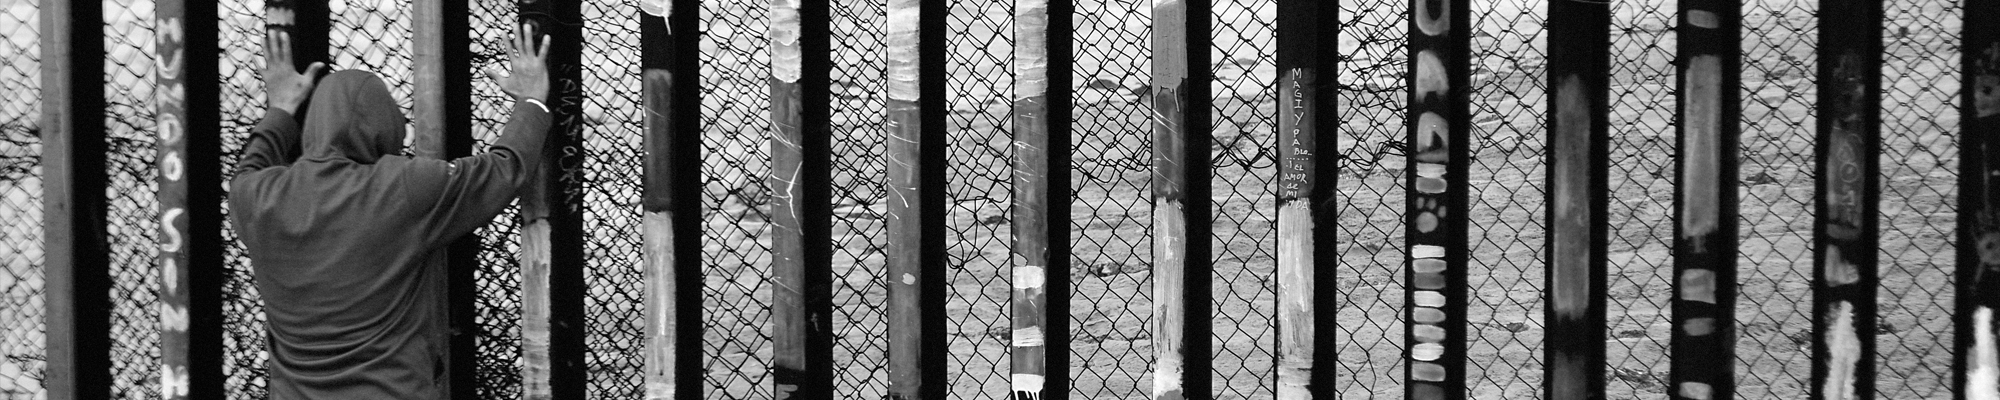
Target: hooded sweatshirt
[(341, 231)]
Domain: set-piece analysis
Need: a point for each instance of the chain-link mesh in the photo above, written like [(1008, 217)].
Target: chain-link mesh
[(1112, 254), (498, 279), (979, 92), (1920, 88), (245, 351), (1774, 271), (1245, 140), (1641, 210), (614, 139), (133, 208), (1504, 303), (21, 310), (736, 233), (860, 357), (1111, 171), (1371, 94)]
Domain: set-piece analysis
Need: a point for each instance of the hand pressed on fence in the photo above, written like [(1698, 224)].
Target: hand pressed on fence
[(342, 230)]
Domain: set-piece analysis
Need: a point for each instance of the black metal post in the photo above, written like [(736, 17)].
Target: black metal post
[(1579, 62), (1439, 133), (1182, 267), (553, 286), (916, 201), (190, 192), (1041, 120), (801, 252), (442, 119), (1846, 193), (1976, 345), (75, 262), (671, 72), (1308, 221), (1704, 297)]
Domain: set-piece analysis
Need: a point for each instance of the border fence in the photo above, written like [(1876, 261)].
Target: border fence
[(1035, 199)]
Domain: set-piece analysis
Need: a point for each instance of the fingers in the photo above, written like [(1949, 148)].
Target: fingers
[(284, 50), (313, 71), (543, 53)]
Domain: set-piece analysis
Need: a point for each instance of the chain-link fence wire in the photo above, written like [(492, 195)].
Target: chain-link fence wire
[(736, 233), (1111, 262), (1920, 89), (1371, 95), (133, 211), (1506, 207), (1774, 271), (611, 176), (979, 91), (1243, 53), (245, 350), (498, 278), (21, 307), (859, 233), (1641, 212)]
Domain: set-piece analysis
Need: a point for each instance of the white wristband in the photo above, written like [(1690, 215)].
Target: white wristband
[(537, 103)]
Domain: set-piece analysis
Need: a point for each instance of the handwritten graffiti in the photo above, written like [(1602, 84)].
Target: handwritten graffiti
[(1844, 164), (173, 192)]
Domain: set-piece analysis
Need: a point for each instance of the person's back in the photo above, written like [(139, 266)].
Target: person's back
[(341, 232)]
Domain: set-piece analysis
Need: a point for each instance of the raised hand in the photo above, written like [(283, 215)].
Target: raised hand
[(529, 65), (285, 88)]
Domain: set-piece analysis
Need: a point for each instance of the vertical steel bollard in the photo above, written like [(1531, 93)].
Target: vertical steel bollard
[(190, 194), (916, 183), (1041, 121), (670, 70), (1181, 223), (1438, 139), (1307, 218), (1976, 345), (552, 264), (442, 119), (73, 205), (1579, 42), (801, 213), (1704, 298), (1846, 191)]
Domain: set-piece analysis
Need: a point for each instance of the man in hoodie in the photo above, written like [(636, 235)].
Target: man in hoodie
[(341, 229)]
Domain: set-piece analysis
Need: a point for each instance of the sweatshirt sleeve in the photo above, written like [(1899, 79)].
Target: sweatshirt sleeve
[(273, 143), (477, 188)]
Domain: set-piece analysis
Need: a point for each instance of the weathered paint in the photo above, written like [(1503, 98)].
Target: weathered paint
[(657, 8), (1040, 203), (1031, 48), (1169, 304), (535, 264), (173, 196), (1983, 375), (1846, 182), (1296, 267), (658, 237), (786, 53), (1569, 292), (1701, 192), (902, 52), (1182, 267), (1844, 351)]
